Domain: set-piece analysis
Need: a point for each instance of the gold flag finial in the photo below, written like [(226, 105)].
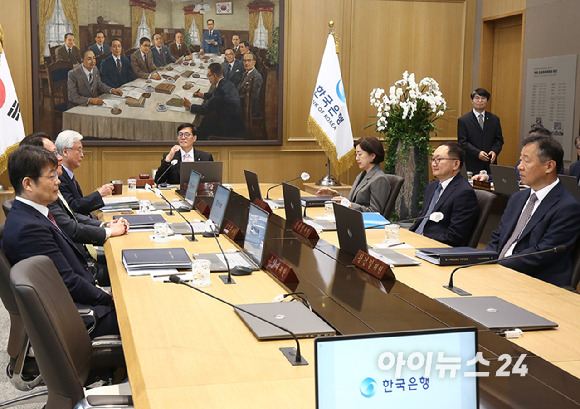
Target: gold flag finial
[(336, 39), (1, 38)]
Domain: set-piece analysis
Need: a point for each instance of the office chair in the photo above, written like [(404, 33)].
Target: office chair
[(62, 346), (396, 183), (6, 206), (484, 202)]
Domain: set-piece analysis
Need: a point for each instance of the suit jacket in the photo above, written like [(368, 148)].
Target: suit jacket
[(234, 74), (140, 69), (78, 227), (474, 139), (554, 223), (177, 53), (206, 39), (255, 93), (72, 193), (28, 233), (458, 204), (372, 193), (95, 49), (79, 90), (172, 176), (575, 169), (62, 54), (222, 112), (163, 58), (111, 76)]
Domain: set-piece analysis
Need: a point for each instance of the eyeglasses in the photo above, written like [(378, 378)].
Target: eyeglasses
[(146, 45), (79, 150), (54, 177), (437, 160), (479, 98), (184, 135)]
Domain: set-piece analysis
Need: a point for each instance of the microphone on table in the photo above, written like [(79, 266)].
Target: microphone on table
[(171, 164), (459, 291), (434, 217), (227, 279), (304, 176), (171, 208), (294, 358)]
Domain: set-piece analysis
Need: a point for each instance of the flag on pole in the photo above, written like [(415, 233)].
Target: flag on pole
[(328, 121), (11, 126)]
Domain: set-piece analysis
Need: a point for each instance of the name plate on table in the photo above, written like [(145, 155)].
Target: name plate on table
[(232, 231), (280, 269), (305, 230), (262, 205), (373, 266), (203, 208), (482, 184)]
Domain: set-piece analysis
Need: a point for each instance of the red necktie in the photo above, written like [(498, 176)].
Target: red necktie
[(51, 218)]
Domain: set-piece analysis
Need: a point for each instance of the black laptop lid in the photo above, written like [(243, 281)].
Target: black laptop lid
[(292, 205), (210, 172), (253, 185), (351, 229)]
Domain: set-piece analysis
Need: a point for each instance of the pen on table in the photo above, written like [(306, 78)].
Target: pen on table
[(396, 244)]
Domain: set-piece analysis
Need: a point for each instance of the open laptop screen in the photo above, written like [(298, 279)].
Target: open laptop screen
[(192, 185), (360, 371), (256, 233), (218, 207)]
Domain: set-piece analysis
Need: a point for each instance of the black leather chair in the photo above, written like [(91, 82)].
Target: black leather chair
[(62, 346), (485, 201), (6, 206), (396, 183)]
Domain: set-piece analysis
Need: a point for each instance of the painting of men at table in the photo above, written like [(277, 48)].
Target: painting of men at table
[(185, 38)]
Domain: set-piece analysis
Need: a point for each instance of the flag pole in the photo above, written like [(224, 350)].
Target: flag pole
[(330, 180)]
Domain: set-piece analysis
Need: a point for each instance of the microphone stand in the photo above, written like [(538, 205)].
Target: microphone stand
[(279, 184), (293, 355), (171, 164), (227, 279), (161, 196)]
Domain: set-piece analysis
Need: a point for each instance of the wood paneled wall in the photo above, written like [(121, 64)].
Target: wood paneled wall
[(497, 8), (379, 39)]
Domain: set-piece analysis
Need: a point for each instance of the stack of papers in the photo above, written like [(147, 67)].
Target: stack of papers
[(163, 261)]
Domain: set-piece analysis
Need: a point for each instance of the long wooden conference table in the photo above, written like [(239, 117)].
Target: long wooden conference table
[(184, 349)]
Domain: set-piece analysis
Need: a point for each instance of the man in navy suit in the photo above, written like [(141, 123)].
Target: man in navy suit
[(222, 109), (116, 69), (479, 132), (450, 195), (539, 218), (211, 39), (100, 47), (160, 52), (70, 147), (30, 230), (233, 68)]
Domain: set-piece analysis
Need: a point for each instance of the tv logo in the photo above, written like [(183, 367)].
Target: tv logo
[(368, 387)]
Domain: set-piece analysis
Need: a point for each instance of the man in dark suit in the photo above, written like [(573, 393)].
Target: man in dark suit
[(85, 85), (69, 51), (575, 167), (450, 195), (211, 39), (30, 230), (178, 48), (100, 47), (160, 52), (249, 61), (116, 69), (70, 147), (142, 61), (222, 110), (479, 132), (182, 152), (539, 218), (233, 69), (236, 46)]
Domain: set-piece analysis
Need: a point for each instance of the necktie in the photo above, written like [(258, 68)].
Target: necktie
[(90, 248), (145, 61), (51, 218), (521, 225), (480, 120), (161, 54), (430, 209), (91, 80), (69, 54), (101, 48), (187, 157), (119, 65)]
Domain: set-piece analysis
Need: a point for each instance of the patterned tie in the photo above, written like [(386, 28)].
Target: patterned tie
[(119, 65), (51, 218), (430, 209), (521, 225), (186, 157), (480, 120), (91, 80)]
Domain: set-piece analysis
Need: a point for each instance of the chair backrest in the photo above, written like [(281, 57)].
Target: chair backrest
[(17, 334), (52, 51), (396, 183), (60, 340), (576, 266), (57, 85), (485, 200), (129, 52), (7, 206)]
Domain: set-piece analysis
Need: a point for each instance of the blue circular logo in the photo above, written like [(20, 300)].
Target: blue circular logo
[(368, 387), (340, 91)]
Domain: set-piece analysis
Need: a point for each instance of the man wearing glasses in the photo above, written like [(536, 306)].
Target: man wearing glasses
[(70, 147), (479, 133), (31, 230), (450, 195), (182, 152)]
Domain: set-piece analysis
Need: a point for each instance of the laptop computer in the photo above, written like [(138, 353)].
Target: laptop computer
[(253, 185), (237, 211), (293, 210), (252, 254), (294, 316), (505, 179), (352, 238), (368, 371), (188, 199), (210, 171), (497, 314), (571, 183), (216, 215)]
